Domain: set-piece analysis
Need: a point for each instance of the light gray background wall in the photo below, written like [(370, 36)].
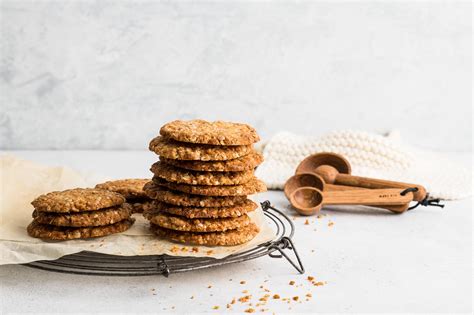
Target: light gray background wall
[(108, 74)]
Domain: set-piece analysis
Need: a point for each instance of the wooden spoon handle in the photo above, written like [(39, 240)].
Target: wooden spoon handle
[(367, 197), (394, 208), (373, 183)]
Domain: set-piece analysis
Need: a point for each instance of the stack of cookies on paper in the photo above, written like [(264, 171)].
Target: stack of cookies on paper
[(201, 182), (78, 214), (132, 190)]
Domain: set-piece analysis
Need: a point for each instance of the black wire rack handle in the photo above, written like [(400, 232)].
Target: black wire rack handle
[(285, 243), (425, 202), (163, 267)]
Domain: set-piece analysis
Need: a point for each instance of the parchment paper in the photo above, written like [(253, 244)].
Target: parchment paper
[(22, 181)]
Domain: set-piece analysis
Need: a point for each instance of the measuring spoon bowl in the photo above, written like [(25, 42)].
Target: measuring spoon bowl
[(303, 180), (307, 200)]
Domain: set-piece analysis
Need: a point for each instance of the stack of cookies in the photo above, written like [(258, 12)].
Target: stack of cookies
[(78, 214), (132, 190), (201, 182)]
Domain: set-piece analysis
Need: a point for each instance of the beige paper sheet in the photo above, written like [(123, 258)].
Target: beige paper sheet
[(22, 181)]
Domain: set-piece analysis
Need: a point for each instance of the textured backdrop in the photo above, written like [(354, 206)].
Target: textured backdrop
[(107, 74)]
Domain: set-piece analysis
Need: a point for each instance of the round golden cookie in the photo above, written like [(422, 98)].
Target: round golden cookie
[(77, 200), (178, 198), (182, 176), (88, 218), (244, 163), (201, 152), (176, 223), (228, 238), (129, 188), (210, 132), (61, 233), (205, 212), (251, 187)]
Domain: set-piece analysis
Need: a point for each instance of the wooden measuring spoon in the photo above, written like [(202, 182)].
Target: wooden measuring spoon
[(335, 169), (316, 181), (309, 200)]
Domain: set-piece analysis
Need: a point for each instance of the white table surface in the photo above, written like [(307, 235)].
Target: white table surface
[(372, 261)]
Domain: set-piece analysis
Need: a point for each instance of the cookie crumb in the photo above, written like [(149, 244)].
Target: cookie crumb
[(195, 250), (291, 282), (249, 310), (209, 286), (309, 295), (242, 282), (276, 296), (245, 299), (263, 299), (306, 222), (310, 278), (296, 298), (215, 307), (330, 223)]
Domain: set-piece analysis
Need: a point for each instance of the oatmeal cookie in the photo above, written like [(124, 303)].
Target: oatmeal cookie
[(129, 188), (201, 152), (251, 187), (182, 176), (210, 132), (60, 233), (204, 212), (244, 163), (77, 200), (227, 238), (176, 223), (87, 218), (178, 198)]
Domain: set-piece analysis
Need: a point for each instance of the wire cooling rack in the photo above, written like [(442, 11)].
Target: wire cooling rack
[(92, 263)]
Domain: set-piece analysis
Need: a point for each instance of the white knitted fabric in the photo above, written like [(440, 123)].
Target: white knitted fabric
[(370, 155)]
